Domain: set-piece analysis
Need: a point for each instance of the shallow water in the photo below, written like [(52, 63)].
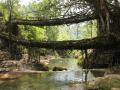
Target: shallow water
[(64, 80), (70, 64)]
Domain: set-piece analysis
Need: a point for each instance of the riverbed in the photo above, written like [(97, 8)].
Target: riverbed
[(71, 79)]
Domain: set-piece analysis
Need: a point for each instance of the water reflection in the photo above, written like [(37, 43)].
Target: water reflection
[(65, 80), (70, 64), (44, 81), (68, 76)]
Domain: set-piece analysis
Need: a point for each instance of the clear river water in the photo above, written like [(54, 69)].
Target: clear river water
[(49, 80)]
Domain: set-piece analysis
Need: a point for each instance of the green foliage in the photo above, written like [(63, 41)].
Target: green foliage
[(63, 33), (52, 33), (4, 10), (88, 30), (32, 33), (45, 9), (9, 6)]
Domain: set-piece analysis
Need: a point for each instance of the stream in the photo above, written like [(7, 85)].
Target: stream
[(49, 80)]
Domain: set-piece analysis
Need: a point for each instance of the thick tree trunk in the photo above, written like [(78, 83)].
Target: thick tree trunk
[(104, 17), (116, 3), (108, 23)]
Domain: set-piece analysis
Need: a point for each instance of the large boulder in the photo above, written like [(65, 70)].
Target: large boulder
[(40, 67)]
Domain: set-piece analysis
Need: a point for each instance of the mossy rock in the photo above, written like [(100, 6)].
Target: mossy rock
[(40, 67), (59, 68)]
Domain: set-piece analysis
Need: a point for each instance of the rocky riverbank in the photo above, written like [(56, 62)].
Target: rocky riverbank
[(9, 64), (108, 82)]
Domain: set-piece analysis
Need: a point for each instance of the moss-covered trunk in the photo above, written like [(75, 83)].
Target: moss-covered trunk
[(108, 24)]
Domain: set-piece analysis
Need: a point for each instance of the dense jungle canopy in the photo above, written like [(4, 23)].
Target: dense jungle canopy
[(61, 24), (79, 37)]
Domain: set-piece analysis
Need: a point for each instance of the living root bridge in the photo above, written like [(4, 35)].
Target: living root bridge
[(70, 19), (94, 43), (53, 22)]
